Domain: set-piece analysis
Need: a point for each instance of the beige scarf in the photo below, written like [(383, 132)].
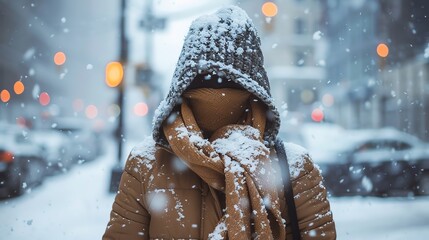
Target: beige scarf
[(233, 159)]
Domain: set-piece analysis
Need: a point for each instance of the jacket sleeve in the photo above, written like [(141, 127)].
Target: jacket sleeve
[(313, 209), (129, 218)]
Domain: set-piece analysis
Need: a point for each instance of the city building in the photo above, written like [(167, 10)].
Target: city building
[(371, 88), (59, 48), (294, 52)]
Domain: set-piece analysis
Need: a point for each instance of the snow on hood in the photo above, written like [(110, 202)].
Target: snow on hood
[(224, 43)]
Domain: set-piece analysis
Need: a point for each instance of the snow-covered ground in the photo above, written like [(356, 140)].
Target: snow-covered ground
[(76, 205), (381, 218)]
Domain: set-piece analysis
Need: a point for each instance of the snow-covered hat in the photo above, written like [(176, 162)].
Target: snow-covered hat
[(225, 43)]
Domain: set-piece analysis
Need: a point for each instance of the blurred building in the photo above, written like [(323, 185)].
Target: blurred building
[(403, 96), (27, 38), (374, 91), (351, 62), (32, 33), (294, 50)]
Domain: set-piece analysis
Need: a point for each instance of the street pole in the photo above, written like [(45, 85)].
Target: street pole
[(149, 36), (145, 74), (119, 133)]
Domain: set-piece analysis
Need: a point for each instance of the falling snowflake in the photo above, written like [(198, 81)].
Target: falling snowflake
[(367, 184), (36, 91), (317, 35), (426, 55)]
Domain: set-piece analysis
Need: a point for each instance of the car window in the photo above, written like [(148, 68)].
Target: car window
[(390, 145), (400, 145), (368, 146)]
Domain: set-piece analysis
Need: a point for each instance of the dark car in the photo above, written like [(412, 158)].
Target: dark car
[(21, 162), (374, 162)]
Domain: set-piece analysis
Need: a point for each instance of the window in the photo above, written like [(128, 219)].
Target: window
[(390, 145), (399, 146), (299, 58), (299, 26)]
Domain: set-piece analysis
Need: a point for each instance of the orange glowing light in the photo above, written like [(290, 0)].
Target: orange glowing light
[(5, 96), (141, 109), (114, 74), (91, 111), (382, 50), (59, 58), (18, 87), (6, 156), (269, 9), (317, 115), (44, 99)]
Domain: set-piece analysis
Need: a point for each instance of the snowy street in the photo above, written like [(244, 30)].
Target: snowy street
[(215, 83), (381, 218), (76, 205)]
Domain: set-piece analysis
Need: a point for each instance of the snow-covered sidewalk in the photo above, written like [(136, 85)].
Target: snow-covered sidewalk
[(76, 205), (381, 218)]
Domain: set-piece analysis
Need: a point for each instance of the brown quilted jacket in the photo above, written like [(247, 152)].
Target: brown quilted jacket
[(160, 198)]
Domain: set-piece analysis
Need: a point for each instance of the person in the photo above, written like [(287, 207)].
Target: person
[(209, 170)]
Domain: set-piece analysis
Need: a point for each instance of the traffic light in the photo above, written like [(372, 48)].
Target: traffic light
[(382, 52), (269, 9), (114, 74)]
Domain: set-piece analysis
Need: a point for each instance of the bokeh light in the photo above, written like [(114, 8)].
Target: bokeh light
[(114, 74), (18, 87), (5, 96), (307, 96), (21, 121), (382, 50), (59, 58), (141, 109), (113, 110), (44, 99), (269, 9), (328, 100), (317, 115), (91, 111)]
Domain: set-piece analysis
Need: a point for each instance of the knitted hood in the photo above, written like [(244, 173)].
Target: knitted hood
[(224, 43)]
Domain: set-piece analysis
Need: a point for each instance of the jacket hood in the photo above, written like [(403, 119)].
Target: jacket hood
[(225, 43)]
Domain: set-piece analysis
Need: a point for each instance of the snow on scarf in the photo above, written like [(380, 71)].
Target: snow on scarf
[(233, 160)]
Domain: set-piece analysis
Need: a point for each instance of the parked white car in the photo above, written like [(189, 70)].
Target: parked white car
[(57, 148), (86, 143)]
